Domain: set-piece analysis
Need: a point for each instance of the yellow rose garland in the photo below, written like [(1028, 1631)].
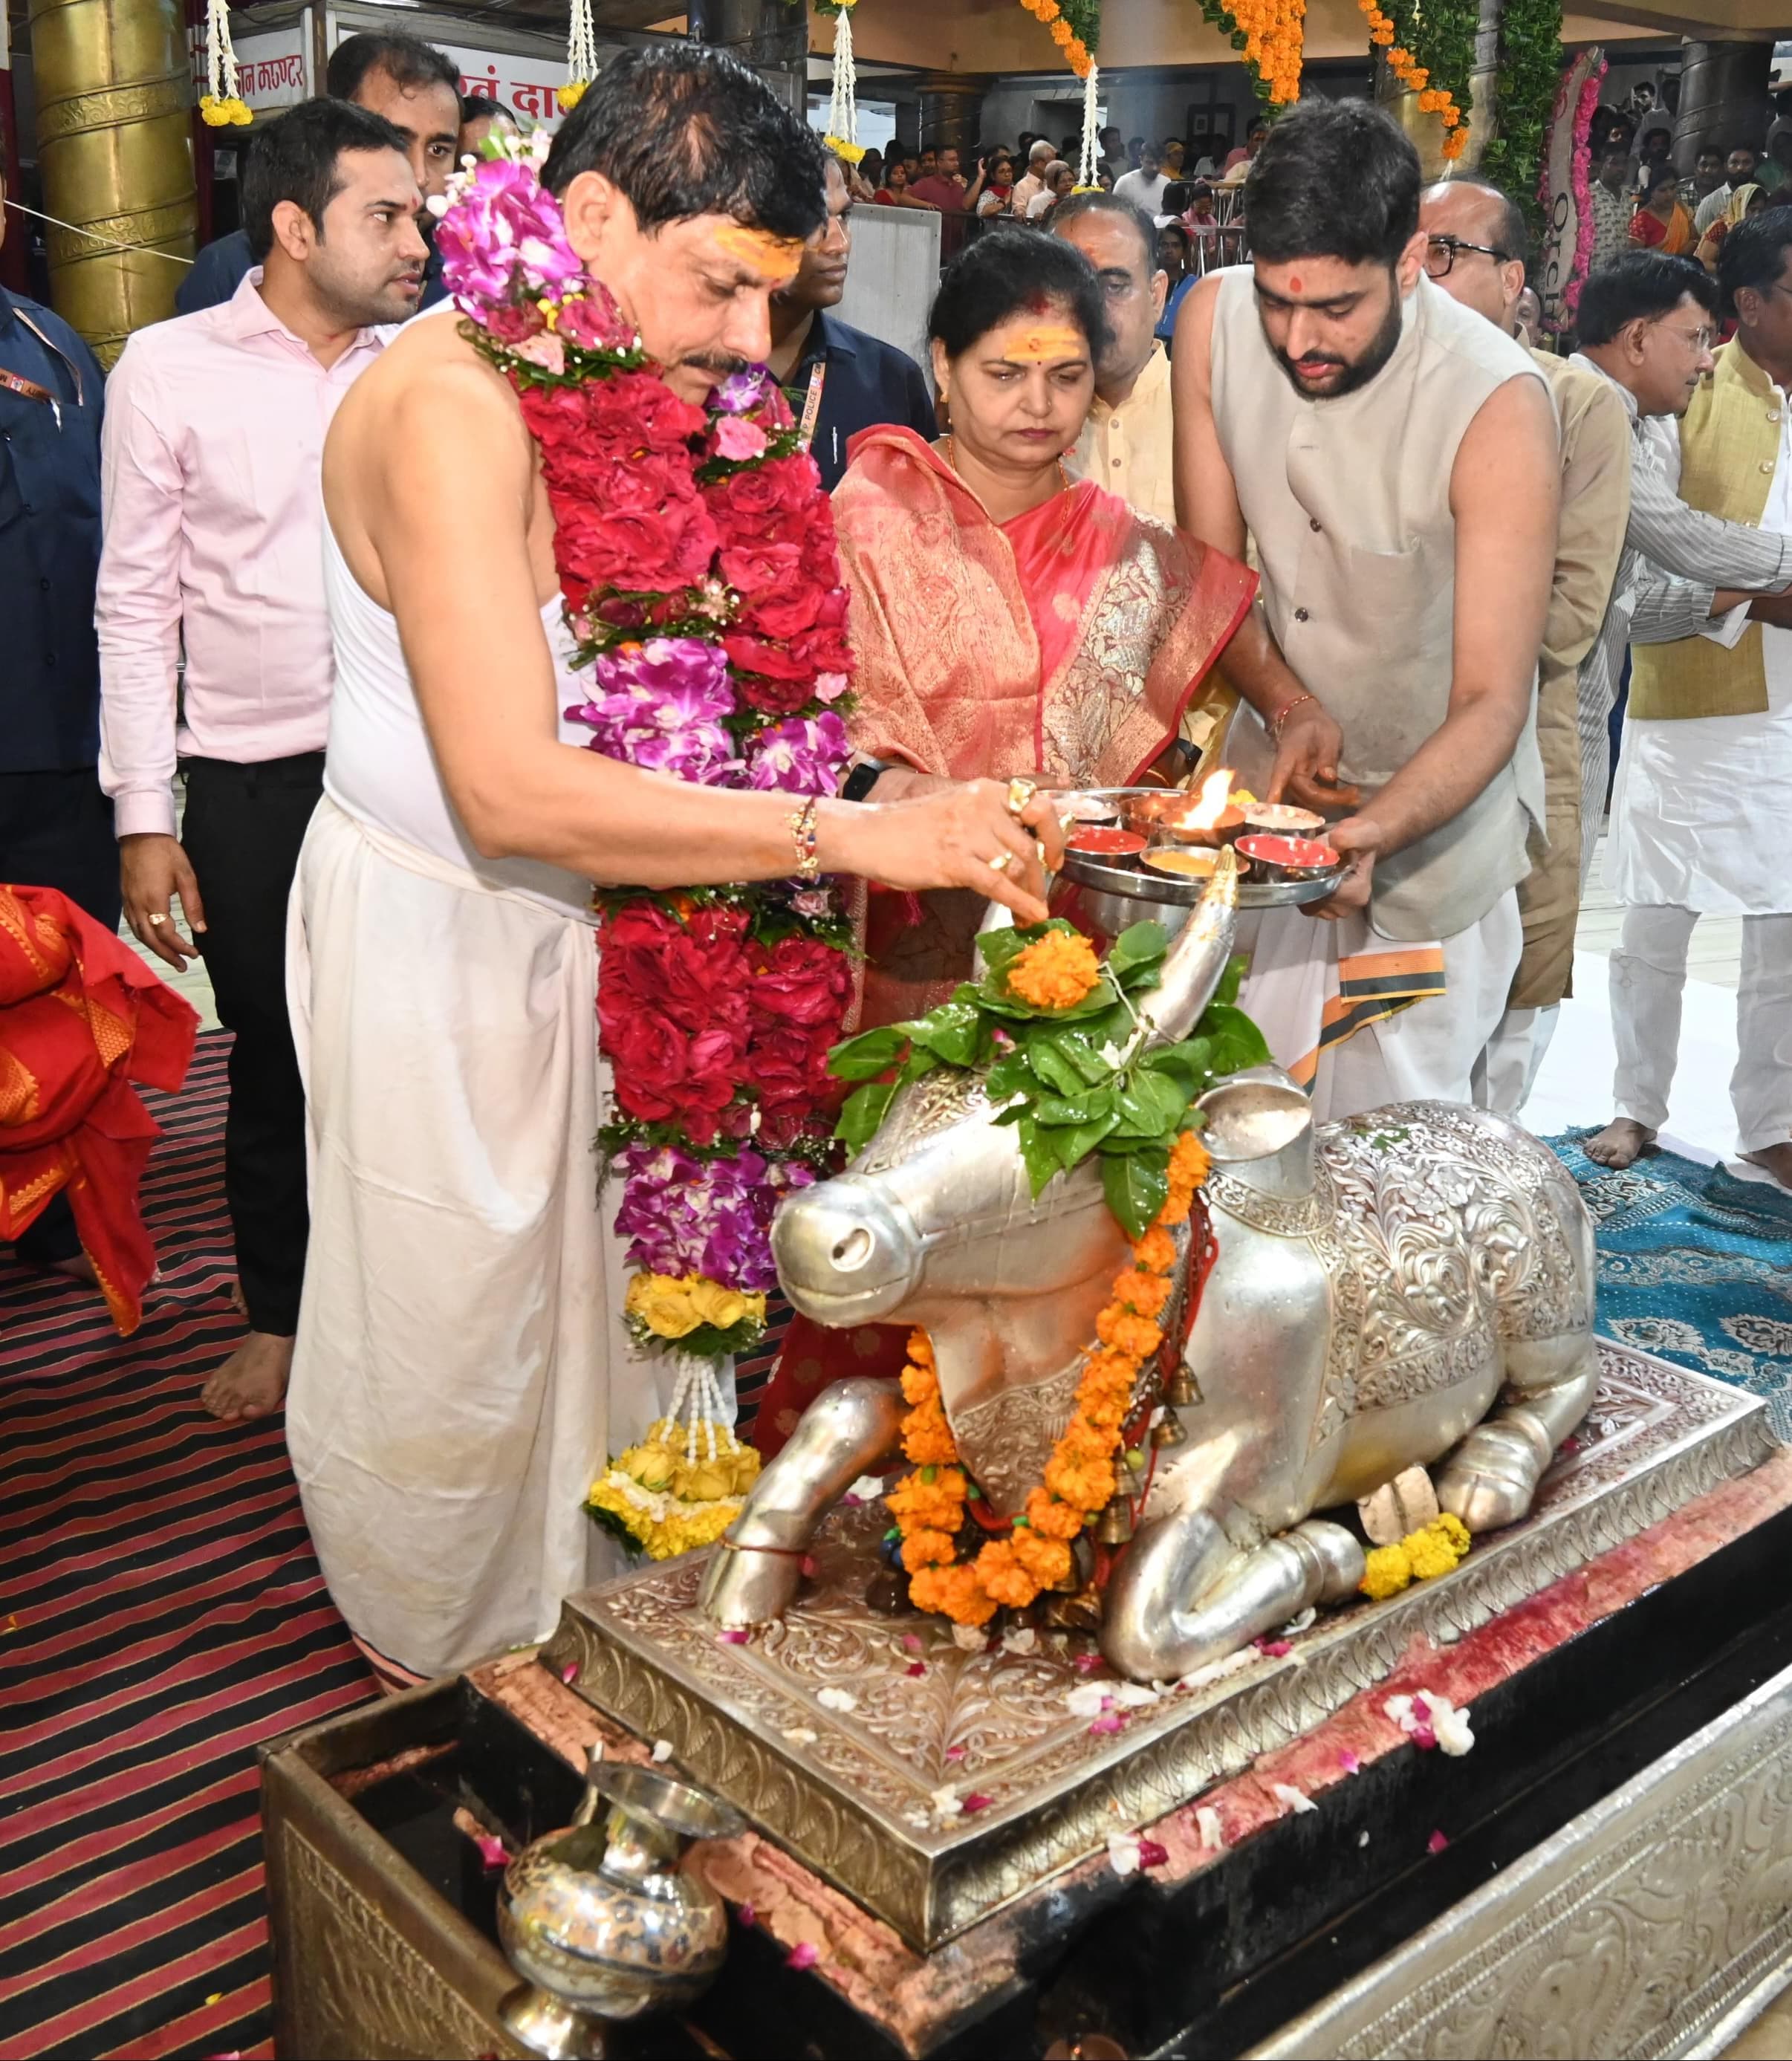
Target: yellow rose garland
[(928, 1505)]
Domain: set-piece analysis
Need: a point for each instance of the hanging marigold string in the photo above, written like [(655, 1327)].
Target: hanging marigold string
[(841, 138), (221, 106), (581, 56), (1270, 36), (1439, 100), (929, 1505), (1069, 27)]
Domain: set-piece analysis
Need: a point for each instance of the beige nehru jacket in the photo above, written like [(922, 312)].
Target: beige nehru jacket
[(1349, 502)]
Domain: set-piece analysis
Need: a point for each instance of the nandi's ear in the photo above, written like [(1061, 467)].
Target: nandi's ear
[(1252, 1114)]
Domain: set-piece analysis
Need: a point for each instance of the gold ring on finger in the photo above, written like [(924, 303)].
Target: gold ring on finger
[(158, 919), (1001, 861), (1020, 791)]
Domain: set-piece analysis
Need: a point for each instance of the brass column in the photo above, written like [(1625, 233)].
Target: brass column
[(115, 96)]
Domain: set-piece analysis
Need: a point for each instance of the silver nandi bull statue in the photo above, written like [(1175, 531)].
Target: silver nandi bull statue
[(1410, 1286)]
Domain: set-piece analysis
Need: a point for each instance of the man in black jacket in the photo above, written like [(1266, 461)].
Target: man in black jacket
[(842, 380)]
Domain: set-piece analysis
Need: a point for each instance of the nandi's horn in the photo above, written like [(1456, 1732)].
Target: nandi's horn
[(1197, 957)]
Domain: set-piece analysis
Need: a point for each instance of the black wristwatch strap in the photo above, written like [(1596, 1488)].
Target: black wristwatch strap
[(862, 779)]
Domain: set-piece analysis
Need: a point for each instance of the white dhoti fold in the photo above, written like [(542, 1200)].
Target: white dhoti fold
[(462, 1368)]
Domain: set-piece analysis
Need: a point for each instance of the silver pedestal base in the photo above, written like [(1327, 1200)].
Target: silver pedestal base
[(851, 1787)]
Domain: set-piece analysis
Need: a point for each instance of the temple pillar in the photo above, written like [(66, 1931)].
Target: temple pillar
[(1723, 98), (114, 92), (1426, 131), (951, 108), (772, 36)]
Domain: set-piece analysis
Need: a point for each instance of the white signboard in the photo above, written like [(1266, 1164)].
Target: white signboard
[(272, 70)]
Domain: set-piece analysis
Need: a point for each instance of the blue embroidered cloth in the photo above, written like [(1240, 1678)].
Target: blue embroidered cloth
[(1696, 1265)]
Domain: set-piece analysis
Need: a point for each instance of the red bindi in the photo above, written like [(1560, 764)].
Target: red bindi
[(1295, 282)]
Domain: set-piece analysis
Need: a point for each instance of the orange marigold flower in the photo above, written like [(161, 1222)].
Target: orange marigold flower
[(920, 1384), (1137, 1336), (999, 1574), (931, 1447), (1051, 1518), (1452, 115), (1144, 1294), (938, 1504), (955, 1592), (1056, 971), (1398, 56), (1188, 1160), (1418, 79), (1109, 1411), (1046, 1560), (921, 1348), (926, 1548), (1084, 1488), (1156, 1251)]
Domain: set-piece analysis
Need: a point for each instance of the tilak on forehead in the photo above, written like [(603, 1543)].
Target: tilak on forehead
[(1040, 342), (772, 257)]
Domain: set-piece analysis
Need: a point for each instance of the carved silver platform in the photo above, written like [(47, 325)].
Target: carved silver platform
[(852, 1791), (1657, 1922)]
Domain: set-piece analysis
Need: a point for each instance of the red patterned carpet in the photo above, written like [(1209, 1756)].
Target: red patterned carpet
[(161, 1614)]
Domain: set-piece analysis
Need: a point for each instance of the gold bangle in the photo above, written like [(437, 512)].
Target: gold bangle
[(802, 831)]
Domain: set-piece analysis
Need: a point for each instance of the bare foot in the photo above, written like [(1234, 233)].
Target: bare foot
[(1621, 1143), (252, 1382), (78, 1268), (1774, 1159), (238, 1302)]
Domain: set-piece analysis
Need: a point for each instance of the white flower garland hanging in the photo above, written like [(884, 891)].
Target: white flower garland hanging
[(1087, 181), (581, 56), (843, 108), (219, 106)]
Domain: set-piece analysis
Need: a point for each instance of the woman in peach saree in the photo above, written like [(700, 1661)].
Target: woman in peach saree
[(1006, 621)]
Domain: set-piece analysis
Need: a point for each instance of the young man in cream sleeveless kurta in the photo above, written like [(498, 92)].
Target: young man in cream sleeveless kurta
[(1395, 459)]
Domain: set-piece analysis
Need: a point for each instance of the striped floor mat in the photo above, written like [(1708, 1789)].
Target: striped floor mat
[(161, 1614)]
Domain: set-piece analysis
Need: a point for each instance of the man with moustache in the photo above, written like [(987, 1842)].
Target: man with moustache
[(1475, 250), (841, 379), (1394, 459), (462, 1365), (213, 545)]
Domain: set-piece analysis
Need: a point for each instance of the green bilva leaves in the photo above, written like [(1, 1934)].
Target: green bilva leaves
[(1071, 1082)]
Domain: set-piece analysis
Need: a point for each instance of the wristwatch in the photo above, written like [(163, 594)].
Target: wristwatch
[(863, 778)]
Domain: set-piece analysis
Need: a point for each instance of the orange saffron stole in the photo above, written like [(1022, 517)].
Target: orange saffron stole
[(82, 1016)]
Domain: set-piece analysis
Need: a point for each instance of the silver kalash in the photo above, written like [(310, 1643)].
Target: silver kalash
[(1412, 1286)]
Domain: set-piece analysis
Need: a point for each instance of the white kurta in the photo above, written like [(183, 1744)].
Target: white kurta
[(1698, 811)]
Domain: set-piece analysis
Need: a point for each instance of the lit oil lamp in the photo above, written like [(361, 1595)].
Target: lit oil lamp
[(1213, 818)]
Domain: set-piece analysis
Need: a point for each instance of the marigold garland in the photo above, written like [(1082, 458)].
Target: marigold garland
[(1432, 99), (929, 1505), (1064, 33), (1270, 36)]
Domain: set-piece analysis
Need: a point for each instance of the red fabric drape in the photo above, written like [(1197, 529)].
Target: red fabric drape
[(82, 1016)]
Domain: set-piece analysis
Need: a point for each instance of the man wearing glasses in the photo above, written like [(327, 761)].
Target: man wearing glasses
[(1476, 251), (1697, 816)]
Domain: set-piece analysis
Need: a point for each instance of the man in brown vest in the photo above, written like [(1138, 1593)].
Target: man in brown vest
[(1394, 459), (1698, 818), (1476, 253)]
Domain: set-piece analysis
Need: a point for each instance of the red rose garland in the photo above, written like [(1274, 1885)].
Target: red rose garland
[(696, 553)]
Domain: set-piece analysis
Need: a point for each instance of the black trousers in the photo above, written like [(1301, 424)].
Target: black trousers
[(242, 830), (56, 831)]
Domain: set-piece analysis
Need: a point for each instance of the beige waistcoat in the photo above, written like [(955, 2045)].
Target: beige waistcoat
[(1349, 502)]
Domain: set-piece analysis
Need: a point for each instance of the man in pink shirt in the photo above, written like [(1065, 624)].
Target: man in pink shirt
[(214, 540)]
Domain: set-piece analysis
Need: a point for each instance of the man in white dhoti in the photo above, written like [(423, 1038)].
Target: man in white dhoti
[(1699, 813), (1395, 459), (462, 1367)]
